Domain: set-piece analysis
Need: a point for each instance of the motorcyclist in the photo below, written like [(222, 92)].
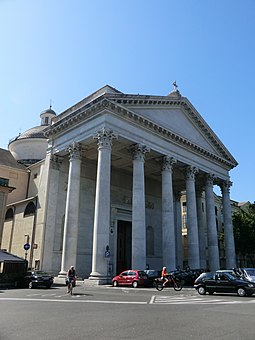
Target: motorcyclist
[(164, 276)]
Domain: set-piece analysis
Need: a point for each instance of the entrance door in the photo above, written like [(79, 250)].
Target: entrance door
[(124, 246)]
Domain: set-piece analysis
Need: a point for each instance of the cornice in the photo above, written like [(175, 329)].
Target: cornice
[(116, 103)]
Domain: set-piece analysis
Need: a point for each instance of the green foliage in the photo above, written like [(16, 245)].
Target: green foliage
[(244, 231)]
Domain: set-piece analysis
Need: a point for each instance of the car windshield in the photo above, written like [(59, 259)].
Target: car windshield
[(250, 271), (230, 276)]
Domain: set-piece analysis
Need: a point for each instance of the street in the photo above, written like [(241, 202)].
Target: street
[(123, 313)]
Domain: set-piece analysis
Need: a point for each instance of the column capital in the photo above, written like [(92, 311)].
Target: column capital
[(210, 178), (167, 163), (139, 151), (191, 172), (75, 150), (104, 138), (225, 186)]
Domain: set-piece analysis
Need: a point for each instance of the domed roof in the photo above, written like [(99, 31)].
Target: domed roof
[(50, 111), (35, 132)]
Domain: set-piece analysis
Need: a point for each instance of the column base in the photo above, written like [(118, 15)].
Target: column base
[(62, 274), (97, 279)]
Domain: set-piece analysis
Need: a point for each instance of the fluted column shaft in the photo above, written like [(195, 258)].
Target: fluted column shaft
[(138, 209), (192, 227), (201, 231), (228, 226), (168, 227), (102, 206), (213, 247), (178, 229), (70, 236)]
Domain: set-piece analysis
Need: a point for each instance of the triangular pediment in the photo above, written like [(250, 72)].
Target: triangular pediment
[(175, 120), (177, 115)]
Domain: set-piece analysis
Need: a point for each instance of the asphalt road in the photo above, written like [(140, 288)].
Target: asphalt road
[(123, 313)]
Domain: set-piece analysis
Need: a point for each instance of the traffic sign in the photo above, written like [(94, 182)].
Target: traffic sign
[(26, 246), (107, 253)]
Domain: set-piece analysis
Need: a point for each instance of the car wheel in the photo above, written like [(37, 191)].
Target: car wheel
[(48, 286), (30, 285), (134, 284), (115, 284), (201, 290), (241, 292)]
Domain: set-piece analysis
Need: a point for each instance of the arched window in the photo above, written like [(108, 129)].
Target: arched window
[(30, 209), (149, 240), (9, 215)]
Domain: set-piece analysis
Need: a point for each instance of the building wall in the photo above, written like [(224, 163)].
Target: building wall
[(17, 179)]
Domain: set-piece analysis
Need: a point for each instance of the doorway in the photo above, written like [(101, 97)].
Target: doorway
[(124, 245)]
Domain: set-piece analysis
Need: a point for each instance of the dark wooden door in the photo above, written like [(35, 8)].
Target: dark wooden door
[(124, 246)]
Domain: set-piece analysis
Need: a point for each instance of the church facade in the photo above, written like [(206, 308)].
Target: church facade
[(108, 194)]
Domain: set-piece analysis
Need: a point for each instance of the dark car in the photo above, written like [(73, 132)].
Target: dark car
[(223, 281), (134, 278), (38, 278), (152, 276)]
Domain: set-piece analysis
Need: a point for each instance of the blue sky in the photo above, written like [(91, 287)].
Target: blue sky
[(63, 50)]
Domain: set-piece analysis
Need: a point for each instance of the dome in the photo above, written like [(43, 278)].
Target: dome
[(30, 146), (49, 111), (35, 132)]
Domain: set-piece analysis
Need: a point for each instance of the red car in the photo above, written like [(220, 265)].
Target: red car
[(132, 278)]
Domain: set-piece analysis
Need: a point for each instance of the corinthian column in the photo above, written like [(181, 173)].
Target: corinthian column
[(102, 206), (228, 226), (70, 236), (178, 230), (138, 209), (213, 248), (168, 229), (201, 230), (192, 226)]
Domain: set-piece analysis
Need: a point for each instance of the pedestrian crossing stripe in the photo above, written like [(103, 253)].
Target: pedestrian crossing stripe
[(170, 300)]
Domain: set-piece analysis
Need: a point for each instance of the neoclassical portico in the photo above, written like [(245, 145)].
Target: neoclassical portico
[(129, 154)]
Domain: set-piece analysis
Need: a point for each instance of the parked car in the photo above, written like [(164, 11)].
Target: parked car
[(223, 281), (134, 278), (248, 273), (38, 278), (152, 276)]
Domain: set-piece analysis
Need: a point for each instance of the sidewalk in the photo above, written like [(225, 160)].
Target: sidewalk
[(61, 281)]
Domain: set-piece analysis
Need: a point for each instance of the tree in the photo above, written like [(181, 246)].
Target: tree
[(244, 232)]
